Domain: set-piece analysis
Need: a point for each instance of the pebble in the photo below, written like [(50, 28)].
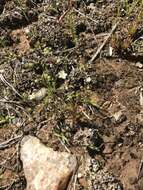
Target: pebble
[(139, 65), (44, 168), (119, 117), (39, 95)]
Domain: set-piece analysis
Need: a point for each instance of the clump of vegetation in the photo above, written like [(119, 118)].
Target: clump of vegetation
[(49, 83), (5, 119), (71, 25), (19, 4), (129, 29), (51, 89)]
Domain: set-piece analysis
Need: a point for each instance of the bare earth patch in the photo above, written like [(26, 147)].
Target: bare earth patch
[(94, 111)]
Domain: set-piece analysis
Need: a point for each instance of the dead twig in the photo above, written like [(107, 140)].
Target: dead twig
[(85, 114), (9, 85), (9, 101), (70, 5), (87, 18), (13, 183), (66, 148), (10, 142), (83, 15), (103, 44)]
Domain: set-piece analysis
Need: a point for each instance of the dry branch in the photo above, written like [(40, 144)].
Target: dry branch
[(103, 44)]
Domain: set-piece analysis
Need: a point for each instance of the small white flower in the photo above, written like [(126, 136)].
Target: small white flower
[(62, 74), (88, 79)]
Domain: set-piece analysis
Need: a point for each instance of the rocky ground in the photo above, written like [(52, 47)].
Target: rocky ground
[(71, 74)]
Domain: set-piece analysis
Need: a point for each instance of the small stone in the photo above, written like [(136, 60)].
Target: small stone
[(79, 175), (45, 168), (139, 65), (122, 119), (2, 71), (27, 30), (119, 117), (39, 95)]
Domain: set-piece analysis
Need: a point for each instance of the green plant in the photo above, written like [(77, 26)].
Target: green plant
[(49, 83), (61, 136), (5, 119), (3, 42), (19, 4), (129, 24), (71, 25)]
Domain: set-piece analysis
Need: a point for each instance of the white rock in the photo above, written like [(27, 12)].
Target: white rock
[(139, 65), (27, 30), (117, 115), (44, 168), (39, 95), (79, 175)]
